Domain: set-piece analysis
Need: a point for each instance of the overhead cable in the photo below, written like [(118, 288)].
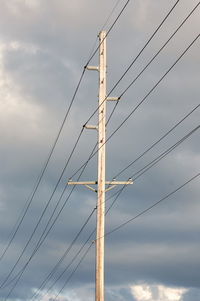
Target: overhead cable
[(152, 206)]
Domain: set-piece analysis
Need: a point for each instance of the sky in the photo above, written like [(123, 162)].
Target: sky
[(44, 46)]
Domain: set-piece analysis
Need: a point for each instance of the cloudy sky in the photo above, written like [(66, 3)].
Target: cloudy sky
[(44, 46)]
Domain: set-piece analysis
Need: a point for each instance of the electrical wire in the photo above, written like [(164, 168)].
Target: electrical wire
[(152, 206)]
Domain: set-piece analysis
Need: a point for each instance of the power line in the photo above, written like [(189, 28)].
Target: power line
[(152, 206)]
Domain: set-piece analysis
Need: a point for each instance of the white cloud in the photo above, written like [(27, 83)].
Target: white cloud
[(157, 293), (142, 292)]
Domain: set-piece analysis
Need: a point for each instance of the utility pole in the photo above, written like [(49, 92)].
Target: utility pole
[(101, 170), (101, 183)]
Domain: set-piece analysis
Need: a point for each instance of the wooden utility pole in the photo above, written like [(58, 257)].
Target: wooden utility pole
[(101, 170), (101, 183)]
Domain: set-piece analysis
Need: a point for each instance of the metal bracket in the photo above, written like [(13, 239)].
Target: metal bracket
[(91, 127), (93, 68), (91, 188), (113, 98)]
